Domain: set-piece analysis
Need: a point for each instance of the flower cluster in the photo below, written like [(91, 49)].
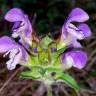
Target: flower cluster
[(70, 35), (45, 49), (21, 28)]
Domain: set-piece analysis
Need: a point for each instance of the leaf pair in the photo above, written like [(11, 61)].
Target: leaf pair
[(38, 73)]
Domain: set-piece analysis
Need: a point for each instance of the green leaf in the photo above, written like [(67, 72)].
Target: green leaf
[(68, 79), (43, 58), (45, 42), (29, 74), (56, 57), (36, 73), (33, 61), (64, 43), (39, 69), (61, 44), (60, 51), (53, 69)]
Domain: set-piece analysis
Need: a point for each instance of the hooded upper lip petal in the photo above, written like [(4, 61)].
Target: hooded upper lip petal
[(22, 26), (78, 15), (79, 32), (14, 15)]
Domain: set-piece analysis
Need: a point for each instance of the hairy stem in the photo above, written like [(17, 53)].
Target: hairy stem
[(49, 90)]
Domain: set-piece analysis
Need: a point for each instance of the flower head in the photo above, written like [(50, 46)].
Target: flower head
[(17, 54), (22, 26), (77, 32), (76, 59)]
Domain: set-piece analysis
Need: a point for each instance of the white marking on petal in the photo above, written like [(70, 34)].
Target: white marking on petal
[(69, 61), (10, 66), (19, 31), (15, 34), (9, 61), (72, 29), (6, 53), (12, 53), (22, 24)]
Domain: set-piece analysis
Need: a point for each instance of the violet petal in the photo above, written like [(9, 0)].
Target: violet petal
[(22, 26), (14, 14), (6, 43), (77, 58), (75, 44), (85, 29), (78, 15), (16, 52)]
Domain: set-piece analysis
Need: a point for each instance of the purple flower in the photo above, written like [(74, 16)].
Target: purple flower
[(76, 59), (77, 32), (22, 26), (17, 54)]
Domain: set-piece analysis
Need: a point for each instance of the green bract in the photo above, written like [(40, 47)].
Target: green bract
[(45, 63)]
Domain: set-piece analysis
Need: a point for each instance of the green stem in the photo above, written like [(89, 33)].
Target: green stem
[(49, 90), (48, 83)]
